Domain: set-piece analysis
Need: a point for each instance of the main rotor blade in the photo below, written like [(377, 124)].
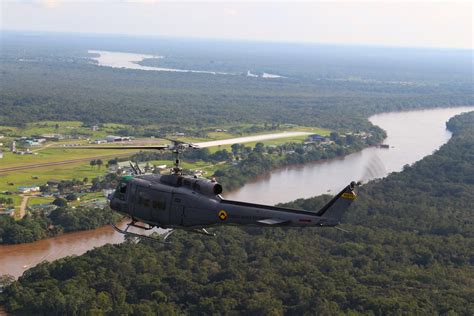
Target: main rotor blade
[(176, 142), (157, 147)]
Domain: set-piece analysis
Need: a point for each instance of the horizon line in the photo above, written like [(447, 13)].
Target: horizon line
[(261, 41)]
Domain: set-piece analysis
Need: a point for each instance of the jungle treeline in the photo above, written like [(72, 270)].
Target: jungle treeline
[(52, 77), (407, 250)]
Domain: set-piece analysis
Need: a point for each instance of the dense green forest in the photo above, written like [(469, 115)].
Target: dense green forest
[(408, 251), (52, 77)]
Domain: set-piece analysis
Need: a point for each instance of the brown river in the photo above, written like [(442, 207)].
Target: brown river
[(411, 136)]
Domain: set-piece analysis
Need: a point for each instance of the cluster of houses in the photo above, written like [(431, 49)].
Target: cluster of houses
[(316, 138)]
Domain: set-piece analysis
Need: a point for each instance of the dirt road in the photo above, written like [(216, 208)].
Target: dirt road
[(23, 205)]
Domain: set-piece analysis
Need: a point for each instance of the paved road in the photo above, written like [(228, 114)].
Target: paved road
[(249, 139)]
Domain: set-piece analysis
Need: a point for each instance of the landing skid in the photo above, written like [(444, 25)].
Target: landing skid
[(141, 236), (133, 223)]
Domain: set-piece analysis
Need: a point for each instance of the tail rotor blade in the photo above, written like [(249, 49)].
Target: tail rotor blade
[(374, 169)]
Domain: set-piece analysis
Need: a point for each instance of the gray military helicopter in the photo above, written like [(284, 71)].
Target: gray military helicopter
[(177, 201)]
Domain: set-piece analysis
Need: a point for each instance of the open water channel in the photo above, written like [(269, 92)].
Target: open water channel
[(411, 136)]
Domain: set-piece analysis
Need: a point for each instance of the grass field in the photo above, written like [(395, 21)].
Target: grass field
[(39, 200), (57, 154)]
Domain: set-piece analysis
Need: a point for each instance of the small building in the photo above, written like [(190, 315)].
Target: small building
[(32, 142), (53, 183), (95, 128), (55, 137), (316, 138), (98, 141), (1, 154), (7, 211), (28, 189), (112, 138)]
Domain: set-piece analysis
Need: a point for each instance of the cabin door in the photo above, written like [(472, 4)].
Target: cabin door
[(176, 211)]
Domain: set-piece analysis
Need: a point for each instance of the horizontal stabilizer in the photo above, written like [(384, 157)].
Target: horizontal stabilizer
[(273, 221)]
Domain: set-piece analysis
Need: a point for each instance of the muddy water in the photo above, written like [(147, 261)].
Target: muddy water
[(411, 136), (15, 259)]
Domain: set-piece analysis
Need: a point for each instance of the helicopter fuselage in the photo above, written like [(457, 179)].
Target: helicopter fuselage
[(175, 201)]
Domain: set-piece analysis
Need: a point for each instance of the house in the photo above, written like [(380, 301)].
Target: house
[(95, 128)]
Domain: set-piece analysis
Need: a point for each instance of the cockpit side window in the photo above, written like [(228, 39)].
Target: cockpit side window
[(121, 191)]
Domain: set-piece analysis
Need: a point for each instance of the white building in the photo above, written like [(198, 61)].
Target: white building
[(112, 138)]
